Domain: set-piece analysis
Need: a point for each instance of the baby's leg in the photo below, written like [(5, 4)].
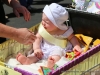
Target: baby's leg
[(26, 60), (52, 60)]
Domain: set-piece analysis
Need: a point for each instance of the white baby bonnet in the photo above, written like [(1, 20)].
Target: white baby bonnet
[(57, 15)]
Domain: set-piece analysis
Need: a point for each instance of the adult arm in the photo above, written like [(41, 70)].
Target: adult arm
[(22, 35)]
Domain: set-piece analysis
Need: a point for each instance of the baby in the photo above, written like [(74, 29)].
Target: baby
[(54, 37)]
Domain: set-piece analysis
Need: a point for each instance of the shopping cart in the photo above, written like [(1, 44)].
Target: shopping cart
[(87, 64)]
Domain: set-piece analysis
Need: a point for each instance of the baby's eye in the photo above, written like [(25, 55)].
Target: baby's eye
[(47, 22)]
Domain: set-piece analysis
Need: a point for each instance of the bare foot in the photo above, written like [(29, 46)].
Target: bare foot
[(23, 59), (50, 63)]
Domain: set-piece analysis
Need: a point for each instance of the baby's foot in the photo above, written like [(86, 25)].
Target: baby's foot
[(50, 63), (22, 59)]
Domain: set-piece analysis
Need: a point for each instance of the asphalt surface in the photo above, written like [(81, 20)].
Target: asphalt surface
[(36, 13)]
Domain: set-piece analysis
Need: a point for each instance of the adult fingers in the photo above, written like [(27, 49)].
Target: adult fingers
[(16, 13), (28, 17), (26, 14), (32, 36), (29, 42)]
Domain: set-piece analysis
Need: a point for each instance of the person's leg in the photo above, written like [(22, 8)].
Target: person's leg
[(52, 60), (26, 60), (23, 2)]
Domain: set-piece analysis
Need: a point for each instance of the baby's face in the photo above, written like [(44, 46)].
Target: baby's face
[(47, 24)]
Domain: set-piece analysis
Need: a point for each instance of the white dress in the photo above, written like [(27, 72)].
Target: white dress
[(51, 49)]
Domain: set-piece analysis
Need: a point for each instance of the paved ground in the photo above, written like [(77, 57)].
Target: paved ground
[(35, 14)]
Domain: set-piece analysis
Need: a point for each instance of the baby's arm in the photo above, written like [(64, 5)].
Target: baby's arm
[(72, 38), (36, 46)]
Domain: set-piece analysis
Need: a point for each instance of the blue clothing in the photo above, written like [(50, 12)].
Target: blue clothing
[(26, 3)]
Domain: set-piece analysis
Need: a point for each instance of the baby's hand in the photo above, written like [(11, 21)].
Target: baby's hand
[(38, 53), (77, 48)]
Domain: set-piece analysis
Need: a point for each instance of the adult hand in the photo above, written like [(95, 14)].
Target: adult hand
[(21, 9), (24, 36)]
